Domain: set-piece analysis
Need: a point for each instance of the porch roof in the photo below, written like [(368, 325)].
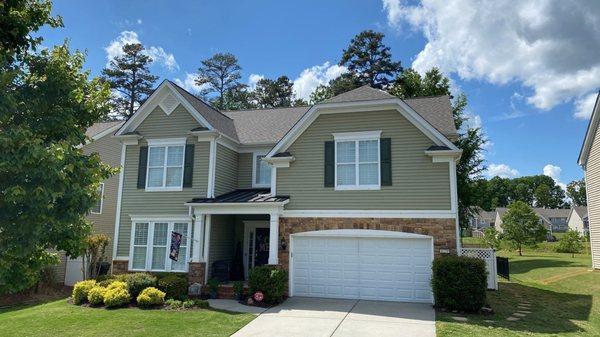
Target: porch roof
[(251, 195)]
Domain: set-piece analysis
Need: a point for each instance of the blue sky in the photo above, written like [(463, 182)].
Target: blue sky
[(531, 97)]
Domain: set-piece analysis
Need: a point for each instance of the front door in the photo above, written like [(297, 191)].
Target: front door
[(261, 247)]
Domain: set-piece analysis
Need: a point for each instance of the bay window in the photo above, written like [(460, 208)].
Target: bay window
[(151, 243)]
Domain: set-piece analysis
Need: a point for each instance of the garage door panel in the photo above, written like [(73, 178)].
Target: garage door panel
[(366, 268)]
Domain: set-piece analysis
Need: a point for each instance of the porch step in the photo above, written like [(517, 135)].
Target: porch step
[(226, 291)]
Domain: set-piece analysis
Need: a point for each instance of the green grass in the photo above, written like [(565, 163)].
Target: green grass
[(564, 296), (60, 318)]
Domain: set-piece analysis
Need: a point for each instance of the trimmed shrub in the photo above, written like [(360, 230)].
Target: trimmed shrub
[(116, 295), (175, 286), (173, 304), (136, 282), (150, 297), (268, 280), (188, 304), (105, 280), (96, 295), (459, 283), (81, 290), (203, 304)]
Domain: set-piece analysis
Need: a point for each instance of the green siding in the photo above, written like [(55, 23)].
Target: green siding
[(418, 184), (245, 170), (226, 170), (139, 202), (158, 124), (222, 233)]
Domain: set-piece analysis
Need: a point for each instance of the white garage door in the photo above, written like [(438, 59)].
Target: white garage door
[(362, 264)]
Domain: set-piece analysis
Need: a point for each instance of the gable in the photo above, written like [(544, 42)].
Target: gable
[(160, 124)]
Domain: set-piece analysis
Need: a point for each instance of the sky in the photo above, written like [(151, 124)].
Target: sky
[(530, 70)]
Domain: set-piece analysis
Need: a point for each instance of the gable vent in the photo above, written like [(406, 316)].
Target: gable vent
[(169, 103)]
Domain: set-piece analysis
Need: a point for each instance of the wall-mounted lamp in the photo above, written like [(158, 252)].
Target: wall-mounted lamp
[(283, 243)]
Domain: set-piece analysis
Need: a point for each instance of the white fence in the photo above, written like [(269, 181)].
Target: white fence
[(489, 256)]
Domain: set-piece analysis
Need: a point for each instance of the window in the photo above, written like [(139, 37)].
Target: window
[(97, 209), (165, 165), (262, 172), (151, 242), (357, 162)]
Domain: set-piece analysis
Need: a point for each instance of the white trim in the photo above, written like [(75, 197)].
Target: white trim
[(360, 135), (273, 238), (346, 138), (154, 100), (254, 162), (238, 208), (590, 134), (198, 251), (119, 198), (362, 233), (101, 199), (412, 214), (165, 143), (212, 165), (273, 180), (251, 225), (206, 246), (163, 217), (364, 106)]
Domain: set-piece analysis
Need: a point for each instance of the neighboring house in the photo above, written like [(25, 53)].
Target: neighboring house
[(554, 219), (589, 159), (102, 214), (353, 196), (578, 220), (482, 219)]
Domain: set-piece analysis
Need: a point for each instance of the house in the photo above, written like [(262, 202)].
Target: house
[(353, 196), (554, 219), (482, 219), (102, 215), (589, 159), (578, 220)]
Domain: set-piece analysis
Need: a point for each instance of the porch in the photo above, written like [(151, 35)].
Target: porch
[(233, 233)]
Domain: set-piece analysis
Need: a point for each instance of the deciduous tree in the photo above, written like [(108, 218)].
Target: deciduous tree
[(521, 226), (570, 243), (576, 191)]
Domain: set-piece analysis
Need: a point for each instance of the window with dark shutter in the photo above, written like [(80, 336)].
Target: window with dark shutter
[(188, 169), (329, 164), (143, 162), (385, 154)]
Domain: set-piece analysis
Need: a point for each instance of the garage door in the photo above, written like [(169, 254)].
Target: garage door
[(362, 264)]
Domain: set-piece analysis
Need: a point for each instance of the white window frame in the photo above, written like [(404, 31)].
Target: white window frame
[(101, 200), (255, 159), (150, 244), (166, 143), (356, 137)]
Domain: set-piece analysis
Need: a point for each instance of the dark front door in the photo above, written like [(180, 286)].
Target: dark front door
[(261, 247)]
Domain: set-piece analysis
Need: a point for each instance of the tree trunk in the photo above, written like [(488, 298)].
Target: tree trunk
[(520, 252)]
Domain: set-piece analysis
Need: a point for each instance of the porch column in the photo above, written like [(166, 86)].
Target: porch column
[(274, 238), (197, 253)]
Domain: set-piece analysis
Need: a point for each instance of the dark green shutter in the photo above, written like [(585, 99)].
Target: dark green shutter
[(385, 151), (188, 169), (141, 182), (329, 164)]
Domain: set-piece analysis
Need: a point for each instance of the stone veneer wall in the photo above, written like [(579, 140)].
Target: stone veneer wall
[(443, 231), (120, 267)]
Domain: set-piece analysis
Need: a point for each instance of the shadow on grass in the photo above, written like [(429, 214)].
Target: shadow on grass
[(551, 312), (31, 303), (525, 265)]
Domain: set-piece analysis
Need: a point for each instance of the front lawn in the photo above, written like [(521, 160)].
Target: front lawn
[(563, 293), (60, 318)]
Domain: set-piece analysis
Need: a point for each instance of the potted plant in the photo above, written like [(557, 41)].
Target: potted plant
[(213, 287), (238, 290)]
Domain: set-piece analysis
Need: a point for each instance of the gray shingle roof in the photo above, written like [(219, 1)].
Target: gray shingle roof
[(364, 93), (581, 211), (264, 125), (96, 128), (544, 212), (437, 111), (217, 119)]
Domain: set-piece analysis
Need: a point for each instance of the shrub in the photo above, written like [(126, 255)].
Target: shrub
[(570, 243), (136, 282), (81, 290), (459, 283), (116, 295), (238, 288), (188, 304), (96, 295), (203, 304), (270, 281), (175, 286), (173, 304), (213, 285), (150, 297)]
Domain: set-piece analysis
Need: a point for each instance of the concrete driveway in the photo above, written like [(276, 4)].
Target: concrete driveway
[(321, 317)]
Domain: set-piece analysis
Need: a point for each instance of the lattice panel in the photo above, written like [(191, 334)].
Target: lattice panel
[(483, 254)]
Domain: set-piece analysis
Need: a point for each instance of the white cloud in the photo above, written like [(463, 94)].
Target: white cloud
[(158, 54), (552, 47), (502, 171), (584, 106), (139, 21), (253, 79), (189, 83), (312, 77), (554, 172)]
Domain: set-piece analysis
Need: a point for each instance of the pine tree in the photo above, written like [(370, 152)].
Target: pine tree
[(221, 73), (130, 79)]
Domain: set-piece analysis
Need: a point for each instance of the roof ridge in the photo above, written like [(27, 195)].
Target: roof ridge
[(265, 109), (425, 97), (200, 100)]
